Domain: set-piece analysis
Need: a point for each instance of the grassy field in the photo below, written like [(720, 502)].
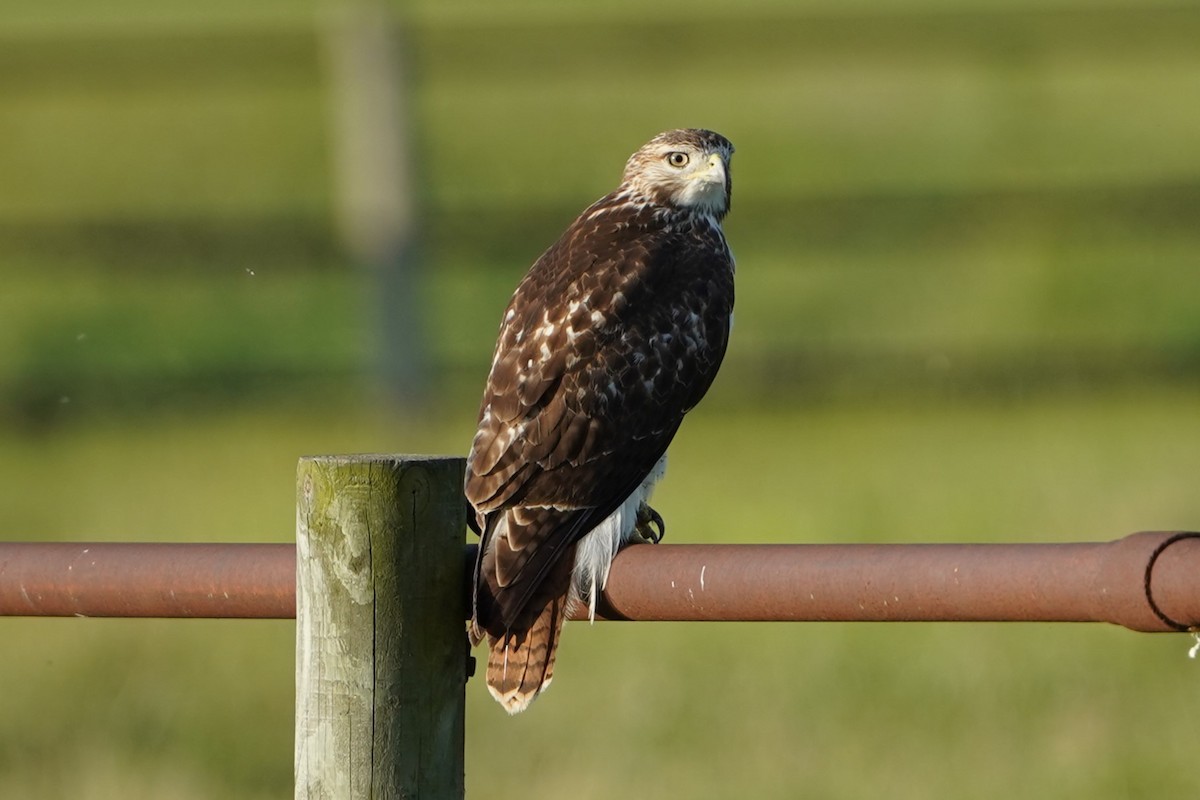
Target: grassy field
[(203, 709), (1003, 190), (969, 310)]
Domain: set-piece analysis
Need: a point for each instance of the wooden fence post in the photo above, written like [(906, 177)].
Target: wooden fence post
[(380, 640)]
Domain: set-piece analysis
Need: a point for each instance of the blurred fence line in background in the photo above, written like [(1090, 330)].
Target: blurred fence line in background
[(962, 202)]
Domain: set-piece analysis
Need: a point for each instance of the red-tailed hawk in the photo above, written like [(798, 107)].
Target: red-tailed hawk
[(615, 333)]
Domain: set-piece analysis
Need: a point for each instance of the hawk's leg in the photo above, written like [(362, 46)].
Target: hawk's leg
[(650, 526)]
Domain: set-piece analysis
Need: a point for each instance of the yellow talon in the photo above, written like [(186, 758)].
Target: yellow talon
[(650, 526)]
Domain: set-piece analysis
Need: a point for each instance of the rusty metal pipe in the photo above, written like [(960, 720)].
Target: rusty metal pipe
[(1146, 582), (1122, 582), (61, 579)]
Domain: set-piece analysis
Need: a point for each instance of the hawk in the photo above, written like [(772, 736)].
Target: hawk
[(613, 335)]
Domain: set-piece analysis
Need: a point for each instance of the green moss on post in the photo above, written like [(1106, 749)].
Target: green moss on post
[(380, 652)]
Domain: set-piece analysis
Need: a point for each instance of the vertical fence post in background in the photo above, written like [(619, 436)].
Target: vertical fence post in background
[(380, 641), (374, 191)]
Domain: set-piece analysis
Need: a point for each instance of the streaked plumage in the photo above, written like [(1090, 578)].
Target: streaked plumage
[(613, 335)]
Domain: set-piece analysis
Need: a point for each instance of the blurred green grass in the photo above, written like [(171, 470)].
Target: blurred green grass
[(969, 285), (204, 709), (1010, 191)]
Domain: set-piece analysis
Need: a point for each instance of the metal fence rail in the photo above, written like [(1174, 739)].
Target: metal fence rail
[(106, 579), (1146, 581)]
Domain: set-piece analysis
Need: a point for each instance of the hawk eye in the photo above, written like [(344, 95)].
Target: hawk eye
[(677, 159)]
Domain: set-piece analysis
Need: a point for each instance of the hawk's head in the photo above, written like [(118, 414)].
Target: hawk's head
[(686, 169)]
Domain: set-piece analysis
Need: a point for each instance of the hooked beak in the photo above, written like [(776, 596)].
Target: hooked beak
[(713, 173)]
